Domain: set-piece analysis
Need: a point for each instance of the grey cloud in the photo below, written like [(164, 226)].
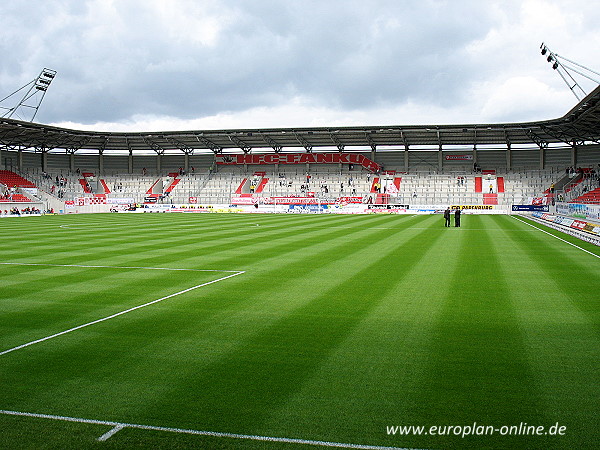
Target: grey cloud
[(335, 54)]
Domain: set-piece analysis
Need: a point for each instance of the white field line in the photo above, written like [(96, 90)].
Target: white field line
[(117, 426), (112, 316), (110, 433), (556, 237), (114, 267)]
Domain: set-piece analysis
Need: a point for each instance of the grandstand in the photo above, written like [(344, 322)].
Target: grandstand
[(206, 186)]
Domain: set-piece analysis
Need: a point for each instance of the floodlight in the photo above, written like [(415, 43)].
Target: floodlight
[(34, 94)]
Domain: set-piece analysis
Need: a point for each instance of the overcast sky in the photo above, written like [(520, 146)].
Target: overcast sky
[(147, 65)]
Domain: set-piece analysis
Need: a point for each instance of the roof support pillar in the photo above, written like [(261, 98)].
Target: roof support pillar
[(406, 159), (20, 159), (186, 162), (542, 157), (72, 162), (440, 160), (158, 169), (574, 155), (508, 158), (100, 164), (44, 161), (130, 162), (1, 160)]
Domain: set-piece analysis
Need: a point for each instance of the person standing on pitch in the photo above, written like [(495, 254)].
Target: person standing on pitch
[(457, 217), (447, 217)]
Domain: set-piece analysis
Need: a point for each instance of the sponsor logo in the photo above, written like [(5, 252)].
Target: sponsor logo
[(472, 207), (299, 158), (459, 157), (544, 208)]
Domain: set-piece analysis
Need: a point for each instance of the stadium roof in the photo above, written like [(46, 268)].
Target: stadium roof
[(579, 126)]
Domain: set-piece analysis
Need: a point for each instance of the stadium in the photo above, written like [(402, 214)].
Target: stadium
[(405, 287)]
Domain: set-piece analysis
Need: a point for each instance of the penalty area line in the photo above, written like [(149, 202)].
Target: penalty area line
[(118, 426), (112, 316), (556, 237)]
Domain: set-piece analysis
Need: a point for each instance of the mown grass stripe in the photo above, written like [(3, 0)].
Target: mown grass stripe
[(583, 280), (477, 350), (563, 346)]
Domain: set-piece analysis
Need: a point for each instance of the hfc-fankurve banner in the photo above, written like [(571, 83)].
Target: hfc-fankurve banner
[(300, 158)]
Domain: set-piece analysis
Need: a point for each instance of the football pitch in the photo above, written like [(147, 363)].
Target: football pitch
[(288, 332)]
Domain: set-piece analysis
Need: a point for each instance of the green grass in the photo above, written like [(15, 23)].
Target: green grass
[(339, 327)]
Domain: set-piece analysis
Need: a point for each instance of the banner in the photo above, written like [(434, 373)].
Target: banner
[(120, 201), (292, 201), (459, 157), (580, 210), (544, 208), (238, 200), (30, 191), (313, 209), (87, 201), (350, 200), (299, 158), (463, 207)]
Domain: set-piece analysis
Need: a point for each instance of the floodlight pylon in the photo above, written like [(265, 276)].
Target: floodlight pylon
[(566, 67), (30, 102)]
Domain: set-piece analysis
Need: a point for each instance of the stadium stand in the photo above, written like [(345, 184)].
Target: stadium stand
[(455, 187), (11, 179), (11, 185), (588, 197)]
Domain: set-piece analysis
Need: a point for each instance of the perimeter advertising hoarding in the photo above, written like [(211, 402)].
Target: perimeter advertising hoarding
[(314, 209), (576, 224), (473, 207), (581, 210), (544, 208), (299, 158)]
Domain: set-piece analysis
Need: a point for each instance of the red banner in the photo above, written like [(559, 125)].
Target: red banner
[(350, 200), (87, 201), (238, 200), (299, 158), (293, 201)]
